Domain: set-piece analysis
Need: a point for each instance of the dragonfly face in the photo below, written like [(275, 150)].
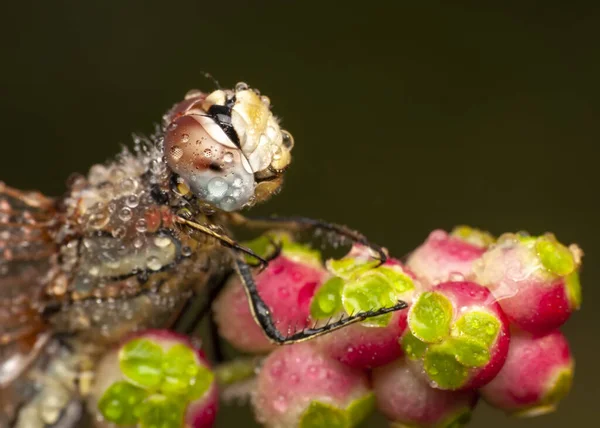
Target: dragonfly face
[(227, 147)]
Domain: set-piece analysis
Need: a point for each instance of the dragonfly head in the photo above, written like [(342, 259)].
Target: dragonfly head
[(227, 146)]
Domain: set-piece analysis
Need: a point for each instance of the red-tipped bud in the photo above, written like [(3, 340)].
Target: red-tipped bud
[(442, 254), (536, 376), (407, 400), (298, 386), (535, 280), (287, 286), (358, 284), (458, 336)]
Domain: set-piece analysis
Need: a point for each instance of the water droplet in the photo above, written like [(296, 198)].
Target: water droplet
[(176, 153), (237, 182), (128, 185), (98, 220), (153, 263), (228, 203), (228, 157), (132, 201), (241, 86), (277, 368), (280, 404), (138, 242), (287, 140), (119, 232), (217, 187), (125, 214), (141, 225), (185, 138), (186, 251), (162, 241), (207, 153)]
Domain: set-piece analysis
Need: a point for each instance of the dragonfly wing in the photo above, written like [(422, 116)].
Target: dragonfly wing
[(27, 256)]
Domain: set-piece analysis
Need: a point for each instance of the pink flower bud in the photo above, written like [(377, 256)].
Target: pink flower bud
[(458, 336), (298, 386), (536, 376), (155, 378), (442, 255), (286, 285), (405, 398), (535, 280)]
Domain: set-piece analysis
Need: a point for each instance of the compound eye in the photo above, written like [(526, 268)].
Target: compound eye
[(215, 170)]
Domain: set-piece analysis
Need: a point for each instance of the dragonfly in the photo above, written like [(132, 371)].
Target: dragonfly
[(131, 244)]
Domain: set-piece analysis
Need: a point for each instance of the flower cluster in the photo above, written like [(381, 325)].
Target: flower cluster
[(482, 322)]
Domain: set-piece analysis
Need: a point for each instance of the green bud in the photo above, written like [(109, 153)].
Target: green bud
[(140, 361)]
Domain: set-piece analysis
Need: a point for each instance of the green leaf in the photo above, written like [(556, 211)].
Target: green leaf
[(413, 347), (368, 293), (262, 246), (328, 299), (350, 267), (159, 411), (399, 280), (320, 415), (179, 368), (140, 361), (118, 403), (573, 289), (470, 352), (201, 383), (441, 366), (459, 420), (266, 245), (360, 408), (429, 318), (478, 325), (554, 256)]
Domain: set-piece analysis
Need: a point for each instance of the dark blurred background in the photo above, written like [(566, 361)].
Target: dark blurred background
[(407, 117)]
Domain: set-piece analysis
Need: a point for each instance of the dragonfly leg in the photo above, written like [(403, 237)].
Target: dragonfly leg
[(224, 239), (304, 223), (262, 313)]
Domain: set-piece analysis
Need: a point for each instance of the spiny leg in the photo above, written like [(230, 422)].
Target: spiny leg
[(303, 223), (262, 313), (224, 239)]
